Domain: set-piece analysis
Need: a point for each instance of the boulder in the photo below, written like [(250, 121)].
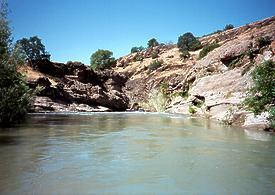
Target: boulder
[(86, 75), (72, 68), (47, 67), (46, 104), (41, 81), (258, 122)]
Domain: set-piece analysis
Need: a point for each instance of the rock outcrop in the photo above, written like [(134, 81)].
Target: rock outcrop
[(75, 87)]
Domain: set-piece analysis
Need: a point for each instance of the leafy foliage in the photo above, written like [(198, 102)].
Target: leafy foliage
[(272, 117), (32, 48), (262, 94), (138, 58), (206, 49), (155, 65), (15, 96), (228, 27), (191, 110), (263, 41), (102, 59), (215, 32), (188, 42), (137, 49), (152, 42), (184, 54), (5, 31)]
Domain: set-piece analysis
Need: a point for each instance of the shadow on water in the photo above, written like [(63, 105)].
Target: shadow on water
[(9, 140)]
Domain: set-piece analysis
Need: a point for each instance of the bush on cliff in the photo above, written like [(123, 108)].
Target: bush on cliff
[(263, 41), (137, 49), (155, 65), (188, 42), (152, 42), (184, 54), (206, 49), (228, 27), (15, 96), (32, 48), (261, 96), (102, 59)]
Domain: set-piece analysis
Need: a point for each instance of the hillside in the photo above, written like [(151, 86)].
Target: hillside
[(213, 86)]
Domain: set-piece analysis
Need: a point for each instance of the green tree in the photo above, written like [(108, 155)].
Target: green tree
[(32, 48), (152, 42), (102, 59), (5, 31), (261, 96), (15, 96), (188, 42), (228, 27)]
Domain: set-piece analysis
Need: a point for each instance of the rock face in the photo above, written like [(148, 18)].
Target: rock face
[(75, 87), (215, 85)]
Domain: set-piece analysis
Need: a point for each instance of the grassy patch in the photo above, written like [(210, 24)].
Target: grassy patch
[(192, 110), (155, 65)]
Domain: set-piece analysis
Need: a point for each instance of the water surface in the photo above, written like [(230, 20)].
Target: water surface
[(134, 153)]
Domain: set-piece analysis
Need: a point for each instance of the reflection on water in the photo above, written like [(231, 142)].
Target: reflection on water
[(122, 153), (258, 135)]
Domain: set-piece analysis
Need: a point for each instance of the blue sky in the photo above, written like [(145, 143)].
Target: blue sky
[(74, 29)]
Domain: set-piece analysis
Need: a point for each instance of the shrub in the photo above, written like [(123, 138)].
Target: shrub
[(228, 27), (206, 49), (271, 117), (215, 32), (250, 54), (32, 48), (183, 94), (184, 54), (234, 62), (154, 55), (155, 65), (102, 59), (152, 42), (138, 58), (192, 110), (261, 96), (188, 42), (137, 49), (263, 41)]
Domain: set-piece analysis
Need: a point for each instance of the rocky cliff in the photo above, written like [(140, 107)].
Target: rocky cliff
[(213, 86), (75, 87)]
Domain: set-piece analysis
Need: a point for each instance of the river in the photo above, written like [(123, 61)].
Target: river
[(134, 153)]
